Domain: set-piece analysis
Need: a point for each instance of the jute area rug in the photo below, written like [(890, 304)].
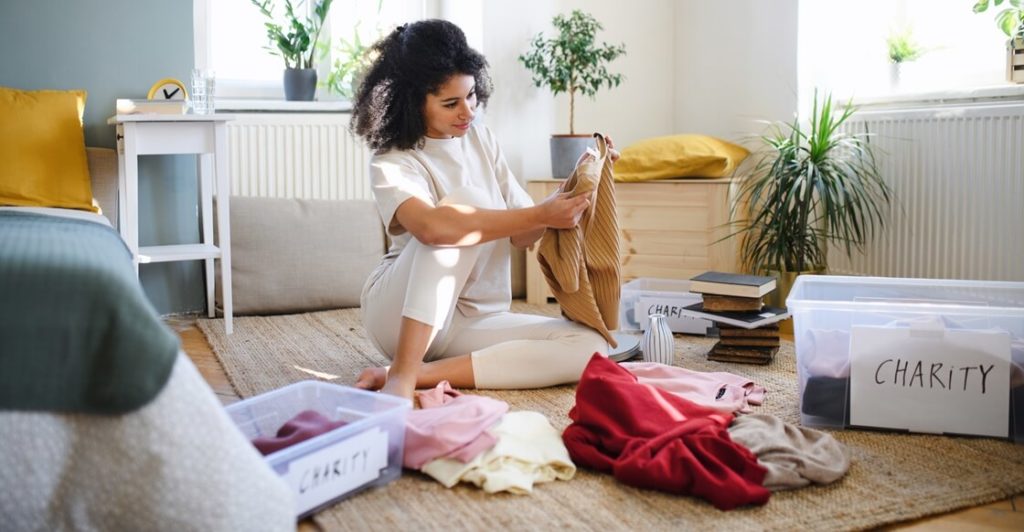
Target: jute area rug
[(894, 477)]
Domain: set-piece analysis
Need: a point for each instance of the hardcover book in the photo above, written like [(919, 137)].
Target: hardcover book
[(717, 303), (158, 107), (749, 341), (746, 320), (765, 331), (745, 355), (732, 284)]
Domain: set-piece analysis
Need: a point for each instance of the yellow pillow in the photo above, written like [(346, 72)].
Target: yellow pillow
[(42, 149), (679, 156)]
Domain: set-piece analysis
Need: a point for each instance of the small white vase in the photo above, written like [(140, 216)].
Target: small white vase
[(658, 344), (895, 70)]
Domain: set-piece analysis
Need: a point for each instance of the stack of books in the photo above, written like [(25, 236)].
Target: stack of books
[(748, 329), (750, 346)]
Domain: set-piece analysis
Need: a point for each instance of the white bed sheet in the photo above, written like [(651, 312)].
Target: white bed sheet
[(64, 213)]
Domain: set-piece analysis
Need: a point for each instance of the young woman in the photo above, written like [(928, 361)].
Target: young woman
[(438, 304)]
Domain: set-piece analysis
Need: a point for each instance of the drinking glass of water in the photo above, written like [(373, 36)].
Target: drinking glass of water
[(203, 85)]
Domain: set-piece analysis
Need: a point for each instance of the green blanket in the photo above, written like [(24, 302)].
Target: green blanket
[(77, 334)]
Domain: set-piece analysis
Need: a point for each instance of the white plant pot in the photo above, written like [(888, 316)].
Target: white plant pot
[(894, 75)]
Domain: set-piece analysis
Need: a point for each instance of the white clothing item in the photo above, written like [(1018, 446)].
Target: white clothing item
[(518, 351), (177, 463), (509, 350), (826, 353), (529, 451), (431, 173)]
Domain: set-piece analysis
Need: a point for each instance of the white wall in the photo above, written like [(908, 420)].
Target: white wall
[(643, 105), (690, 67), (735, 64), (521, 116)]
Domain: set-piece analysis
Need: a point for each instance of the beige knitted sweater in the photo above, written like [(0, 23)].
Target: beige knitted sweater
[(581, 264)]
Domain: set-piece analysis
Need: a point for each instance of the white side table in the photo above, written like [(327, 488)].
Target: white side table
[(203, 135)]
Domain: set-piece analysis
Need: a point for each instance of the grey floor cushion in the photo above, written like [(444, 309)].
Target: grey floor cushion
[(294, 255)]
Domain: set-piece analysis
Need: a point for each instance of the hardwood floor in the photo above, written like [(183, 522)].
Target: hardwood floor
[(1002, 515)]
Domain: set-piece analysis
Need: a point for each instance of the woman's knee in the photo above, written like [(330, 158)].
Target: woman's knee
[(587, 340)]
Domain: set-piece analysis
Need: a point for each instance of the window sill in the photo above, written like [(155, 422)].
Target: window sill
[(976, 95), (282, 106)]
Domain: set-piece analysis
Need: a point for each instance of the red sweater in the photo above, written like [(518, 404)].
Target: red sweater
[(653, 439)]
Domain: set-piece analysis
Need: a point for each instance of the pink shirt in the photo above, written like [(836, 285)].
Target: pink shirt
[(450, 424), (721, 391)]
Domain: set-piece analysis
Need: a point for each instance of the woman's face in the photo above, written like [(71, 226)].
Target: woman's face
[(449, 111)]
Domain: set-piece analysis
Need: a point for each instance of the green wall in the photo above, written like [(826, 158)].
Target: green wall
[(117, 49)]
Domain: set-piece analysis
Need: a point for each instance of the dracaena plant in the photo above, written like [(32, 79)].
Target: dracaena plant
[(812, 185), (296, 40)]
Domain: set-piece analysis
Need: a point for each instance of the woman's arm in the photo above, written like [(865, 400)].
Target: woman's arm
[(463, 225)]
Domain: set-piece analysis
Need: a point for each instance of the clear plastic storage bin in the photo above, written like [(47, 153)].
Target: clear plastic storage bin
[(640, 297), (365, 452), (938, 356)]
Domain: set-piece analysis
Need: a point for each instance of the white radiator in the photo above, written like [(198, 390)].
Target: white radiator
[(957, 175), (296, 155)]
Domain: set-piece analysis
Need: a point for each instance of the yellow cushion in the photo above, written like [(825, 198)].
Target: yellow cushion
[(42, 149), (679, 156)]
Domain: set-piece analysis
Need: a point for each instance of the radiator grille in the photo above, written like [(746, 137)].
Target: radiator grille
[(309, 156), (958, 178)]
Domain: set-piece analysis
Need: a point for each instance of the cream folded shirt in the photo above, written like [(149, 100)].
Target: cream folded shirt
[(529, 451)]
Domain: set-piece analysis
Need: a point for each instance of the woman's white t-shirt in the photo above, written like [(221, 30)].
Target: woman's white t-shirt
[(429, 173)]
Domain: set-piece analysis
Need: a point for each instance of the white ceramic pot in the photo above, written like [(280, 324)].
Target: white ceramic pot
[(658, 344)]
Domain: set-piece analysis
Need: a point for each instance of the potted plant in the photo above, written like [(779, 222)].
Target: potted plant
[(351, 59), (811, 186), (296, 43), (571, 62), (902, 49), (1011, 21)]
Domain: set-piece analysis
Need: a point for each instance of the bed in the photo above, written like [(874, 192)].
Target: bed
[(105, 424)]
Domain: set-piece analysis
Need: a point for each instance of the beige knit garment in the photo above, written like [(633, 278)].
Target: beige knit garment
[(581, 264)]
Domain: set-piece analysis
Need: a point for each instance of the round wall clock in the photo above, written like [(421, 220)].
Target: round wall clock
[(167, 89)]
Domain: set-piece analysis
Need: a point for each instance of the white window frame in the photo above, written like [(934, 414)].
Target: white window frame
[(258, 95), (997, 91)]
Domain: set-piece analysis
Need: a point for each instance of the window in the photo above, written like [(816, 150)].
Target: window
[(230, 38), (842, 48)]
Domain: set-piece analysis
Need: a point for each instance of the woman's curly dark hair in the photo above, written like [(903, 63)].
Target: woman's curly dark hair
[(413, 61)]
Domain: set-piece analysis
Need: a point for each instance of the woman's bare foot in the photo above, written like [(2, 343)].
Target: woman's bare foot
[(398, 388), (372, 378)]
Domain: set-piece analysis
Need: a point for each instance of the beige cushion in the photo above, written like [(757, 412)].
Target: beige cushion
[(294, 255)]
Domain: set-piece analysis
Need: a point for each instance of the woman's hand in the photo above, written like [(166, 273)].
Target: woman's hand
[(562, 210), (613, 154)]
